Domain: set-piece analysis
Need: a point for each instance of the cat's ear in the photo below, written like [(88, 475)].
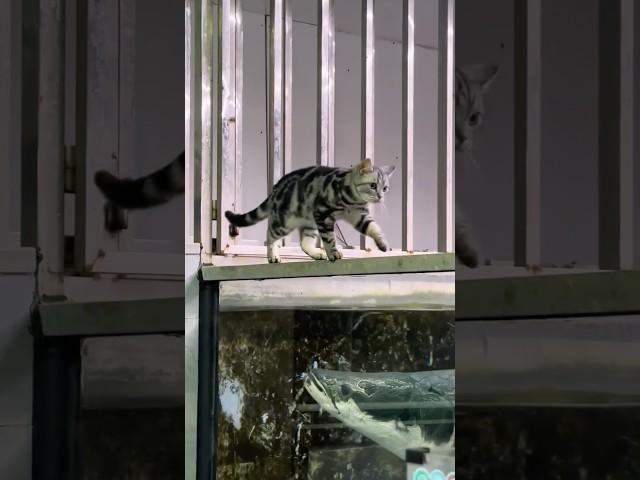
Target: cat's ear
[(482, 74), (365, 166), (388, 170)]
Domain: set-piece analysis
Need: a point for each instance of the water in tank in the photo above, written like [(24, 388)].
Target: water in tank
[(334, 378)]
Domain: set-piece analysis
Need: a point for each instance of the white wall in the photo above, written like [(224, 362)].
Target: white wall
[(484, 33), (159, 110), (570, 131), (16, 375)]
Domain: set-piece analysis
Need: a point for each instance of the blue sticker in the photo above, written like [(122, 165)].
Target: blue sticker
[(421, 474), (438, 475)]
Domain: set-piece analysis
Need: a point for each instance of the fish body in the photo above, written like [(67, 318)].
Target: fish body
[(374, 405)]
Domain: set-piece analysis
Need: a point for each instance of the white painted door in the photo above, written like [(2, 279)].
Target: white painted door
[(135, 112)]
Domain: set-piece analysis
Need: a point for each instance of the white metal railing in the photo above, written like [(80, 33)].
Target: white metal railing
[(219, 132), (617, 242)]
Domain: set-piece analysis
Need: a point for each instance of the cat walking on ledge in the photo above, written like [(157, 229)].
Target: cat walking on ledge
[(311, 200)]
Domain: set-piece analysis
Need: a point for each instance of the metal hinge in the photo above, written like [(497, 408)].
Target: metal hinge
[(70, 169), (214, 210)]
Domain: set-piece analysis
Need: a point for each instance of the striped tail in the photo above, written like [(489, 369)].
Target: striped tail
[(250, 218), (466, 250), (149, 191)]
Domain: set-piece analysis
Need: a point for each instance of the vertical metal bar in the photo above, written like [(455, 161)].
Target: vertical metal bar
[(446, 120), (70, 71), (56, 404), (15, 116), (534, 129), (326, 82), (82, 97), (288, 86), (208, 411), (627, 128), (70, 96), (226, 177), (196, 114), (367, 91), (528, 75), (279, 86), (188, 123), (275, 154), (50, 161), (29, 41), (239, 43), (126, 87), (7, 67), (408, 77), (331, 69), (206, 121), (613, 157)]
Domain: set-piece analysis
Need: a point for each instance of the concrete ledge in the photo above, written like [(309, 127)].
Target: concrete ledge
[(416, 263), (547, 296), (135, 317)]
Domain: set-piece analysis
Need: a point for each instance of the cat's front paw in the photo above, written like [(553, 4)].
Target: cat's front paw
[(273, 255), (274, 258), (319, 254), (333, 255)]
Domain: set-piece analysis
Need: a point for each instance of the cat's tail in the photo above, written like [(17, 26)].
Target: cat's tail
[(250, 218), (154, 189), (466, 250)]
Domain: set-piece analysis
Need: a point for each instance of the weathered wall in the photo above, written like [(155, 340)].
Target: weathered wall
[(16, 376)]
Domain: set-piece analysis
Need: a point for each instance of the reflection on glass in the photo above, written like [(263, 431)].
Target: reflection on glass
[(318, 393)]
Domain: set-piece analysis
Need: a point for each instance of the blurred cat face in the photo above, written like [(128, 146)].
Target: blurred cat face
[(472, 82)]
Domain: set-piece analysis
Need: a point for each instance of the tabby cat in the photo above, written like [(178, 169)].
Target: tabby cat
[(312, 199), (472, 83)]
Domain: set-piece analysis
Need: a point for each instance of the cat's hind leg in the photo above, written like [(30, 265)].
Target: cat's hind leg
[(275, 232), (326, 224), (308, 239)]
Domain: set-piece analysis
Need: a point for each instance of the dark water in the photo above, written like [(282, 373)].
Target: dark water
[(136, 444), (548, 443), (270, 427)]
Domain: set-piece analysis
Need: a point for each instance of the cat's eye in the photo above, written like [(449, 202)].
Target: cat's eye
[(385, 189), (474, 119), (374, 186)]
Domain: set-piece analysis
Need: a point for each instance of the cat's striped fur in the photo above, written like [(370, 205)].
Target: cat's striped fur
[(148, 191), (312, 199), (472, 82)]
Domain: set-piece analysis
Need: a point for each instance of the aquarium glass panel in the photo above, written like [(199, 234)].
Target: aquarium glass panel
[(336, 377)]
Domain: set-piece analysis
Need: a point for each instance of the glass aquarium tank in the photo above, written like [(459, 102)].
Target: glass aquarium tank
[(548, 369), (335, 378)]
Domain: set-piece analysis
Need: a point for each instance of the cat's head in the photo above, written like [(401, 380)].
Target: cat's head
[(370, 181), (472, 82)]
